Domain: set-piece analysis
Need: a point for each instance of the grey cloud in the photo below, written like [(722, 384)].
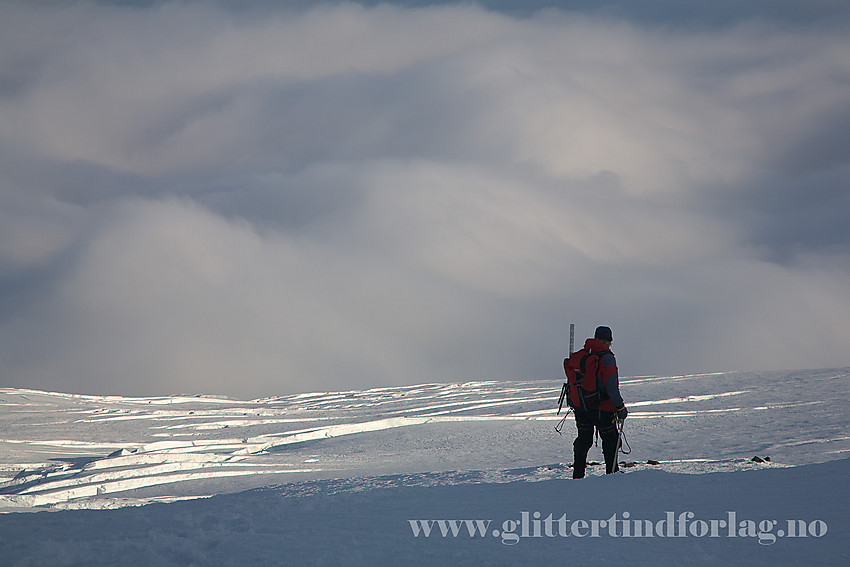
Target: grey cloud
[(257, 200)]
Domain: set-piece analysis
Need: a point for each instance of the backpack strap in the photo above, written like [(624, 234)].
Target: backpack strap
[(600, 387), (583, 362)]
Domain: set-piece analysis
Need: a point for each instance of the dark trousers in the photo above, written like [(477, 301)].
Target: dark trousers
[(603, 422)]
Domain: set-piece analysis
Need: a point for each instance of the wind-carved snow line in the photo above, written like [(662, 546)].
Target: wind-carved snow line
[(129, 471), (159, 470), (97, 489), (266, 442), (684, 399), (817, 441), (159, 400), (644, 380), (65, 443), (473, 405), (691, 413), (238, 423)]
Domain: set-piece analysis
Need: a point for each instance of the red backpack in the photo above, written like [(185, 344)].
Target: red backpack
[(584, 379)]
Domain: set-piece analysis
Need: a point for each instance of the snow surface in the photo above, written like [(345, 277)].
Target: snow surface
[(335, 478)]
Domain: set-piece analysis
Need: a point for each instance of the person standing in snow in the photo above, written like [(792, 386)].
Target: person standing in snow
[(604, 417)]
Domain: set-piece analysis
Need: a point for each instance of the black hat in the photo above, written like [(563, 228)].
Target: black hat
[(603, 334)]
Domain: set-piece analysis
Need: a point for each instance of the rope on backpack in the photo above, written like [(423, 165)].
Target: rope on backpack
[(622, 436), (560, 426)]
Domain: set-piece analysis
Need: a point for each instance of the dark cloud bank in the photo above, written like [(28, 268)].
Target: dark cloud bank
[(196, 198)]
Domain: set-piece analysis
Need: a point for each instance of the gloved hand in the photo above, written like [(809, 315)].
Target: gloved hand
[(622, 413)]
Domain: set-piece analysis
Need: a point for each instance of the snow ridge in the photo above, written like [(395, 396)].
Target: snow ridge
[(68, 450)]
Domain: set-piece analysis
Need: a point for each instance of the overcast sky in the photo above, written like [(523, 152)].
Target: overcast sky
[(255, 200)]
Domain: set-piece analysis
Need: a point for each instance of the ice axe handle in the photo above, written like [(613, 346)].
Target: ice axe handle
[(562, 398)]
